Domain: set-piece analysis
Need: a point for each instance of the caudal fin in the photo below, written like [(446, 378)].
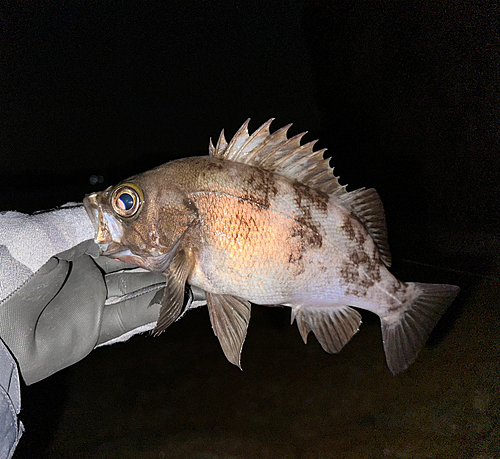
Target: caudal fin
[(405, 334)]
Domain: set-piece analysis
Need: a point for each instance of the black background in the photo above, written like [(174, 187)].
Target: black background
[(404, 94)]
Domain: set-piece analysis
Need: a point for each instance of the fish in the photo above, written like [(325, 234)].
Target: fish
[(263, 220)]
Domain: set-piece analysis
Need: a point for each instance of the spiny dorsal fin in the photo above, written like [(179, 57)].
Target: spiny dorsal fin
[(277, 153), (367, 206)]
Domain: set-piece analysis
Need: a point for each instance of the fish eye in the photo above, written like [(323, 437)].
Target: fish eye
[(126, 200)]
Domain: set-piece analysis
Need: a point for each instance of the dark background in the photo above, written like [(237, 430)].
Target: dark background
[(406, 97)]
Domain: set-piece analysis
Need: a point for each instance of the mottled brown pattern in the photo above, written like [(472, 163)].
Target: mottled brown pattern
[(307, 200), (215, 164), (295, 258), (260, 186), (252, 179), (310, 197), (304, 217), (245, 223), (301, 240), (355, 234), (399, 290), (270, 187), (361, 272), (348, 275), (359, 257)]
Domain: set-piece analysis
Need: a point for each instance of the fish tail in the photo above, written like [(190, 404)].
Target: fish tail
[(405, 332)]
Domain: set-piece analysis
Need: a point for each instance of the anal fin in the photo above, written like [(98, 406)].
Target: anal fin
[(229, 316), (333, 327), (173, 297)]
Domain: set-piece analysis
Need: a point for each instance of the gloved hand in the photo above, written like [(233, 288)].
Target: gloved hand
[(59, 299)]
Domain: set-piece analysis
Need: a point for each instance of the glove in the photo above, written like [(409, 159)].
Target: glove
[(59, 299), (11, 428)]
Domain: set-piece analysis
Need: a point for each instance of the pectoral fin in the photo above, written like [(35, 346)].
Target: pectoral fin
[(333, 327), (229, 316), (173, 298)]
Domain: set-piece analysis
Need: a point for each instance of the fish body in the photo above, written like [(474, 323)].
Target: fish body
[(263, 220)]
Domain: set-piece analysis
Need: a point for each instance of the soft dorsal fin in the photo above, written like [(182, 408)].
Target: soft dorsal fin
[(367, 206), (277, 153)]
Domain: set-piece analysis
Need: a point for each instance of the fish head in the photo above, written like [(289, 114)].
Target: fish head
[(141, 220)]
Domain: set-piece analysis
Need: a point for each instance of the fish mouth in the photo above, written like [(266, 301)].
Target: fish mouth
[(106, 230), (90, 204)]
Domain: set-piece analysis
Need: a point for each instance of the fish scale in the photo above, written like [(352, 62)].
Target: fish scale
[(244, 243), (263, 220)]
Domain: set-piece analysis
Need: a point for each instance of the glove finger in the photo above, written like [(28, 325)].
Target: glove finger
[(88, 247), (122, 317), (109, 265), (198, 294), (122, 283)]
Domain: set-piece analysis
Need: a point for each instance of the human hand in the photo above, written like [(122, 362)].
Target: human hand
[(59, 299)]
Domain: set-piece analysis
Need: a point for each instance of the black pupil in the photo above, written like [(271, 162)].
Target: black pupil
[(126, 201)]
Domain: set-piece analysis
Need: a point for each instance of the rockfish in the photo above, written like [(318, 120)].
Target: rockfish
[(263, 220)]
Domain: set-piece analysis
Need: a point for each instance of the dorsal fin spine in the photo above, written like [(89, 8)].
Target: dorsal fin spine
[(315, 171), (221, 146), (252, 143), (275, 139), (272, 158), (233, 147), (277, 153), (307, 167)]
